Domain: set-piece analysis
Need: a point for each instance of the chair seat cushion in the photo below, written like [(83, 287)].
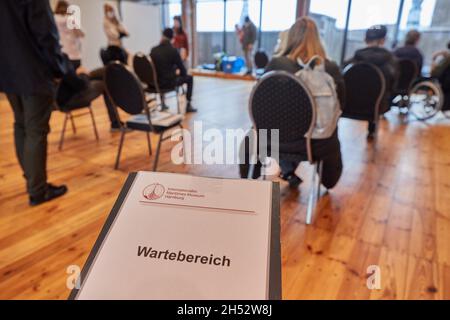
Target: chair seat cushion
[(160, 120)]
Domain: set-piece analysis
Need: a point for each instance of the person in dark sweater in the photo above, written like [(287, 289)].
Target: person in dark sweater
[(304, 43), (31, 60), (168, 62), (376, 54), (410, 51)]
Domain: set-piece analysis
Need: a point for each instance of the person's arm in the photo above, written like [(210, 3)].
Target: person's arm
[(179, 64), (42, 26)]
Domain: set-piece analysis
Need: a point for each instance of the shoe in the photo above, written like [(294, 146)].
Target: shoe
[(190, 109), (249, 73), (293, 180), (52, 192), (164, 108)]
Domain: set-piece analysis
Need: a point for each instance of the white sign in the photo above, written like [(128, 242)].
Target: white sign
[(184, 237)]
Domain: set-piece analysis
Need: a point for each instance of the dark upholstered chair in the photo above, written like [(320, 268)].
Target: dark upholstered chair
[(126, 92), (145, 70), (281, 101)]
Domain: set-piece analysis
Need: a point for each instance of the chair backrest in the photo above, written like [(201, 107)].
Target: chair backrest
[(145, 69), (281, 101), (124, 88), (365, 88), (408, 73), (261, 59)]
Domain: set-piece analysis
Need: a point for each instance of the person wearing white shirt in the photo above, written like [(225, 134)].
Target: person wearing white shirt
[(70, 38), (114, 31)]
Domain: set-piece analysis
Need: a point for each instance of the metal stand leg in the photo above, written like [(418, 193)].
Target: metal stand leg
[(178, 103), (122, 138), (61, 140), (149, 143), (184, 145), (312, 197), (93, 123), (158, 150)]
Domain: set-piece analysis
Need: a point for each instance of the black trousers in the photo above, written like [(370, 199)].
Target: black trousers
[(329, 152), (326, 150), (31, 127), (189, 80)]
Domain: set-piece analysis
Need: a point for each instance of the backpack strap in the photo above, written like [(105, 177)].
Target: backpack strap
[(310, 62)]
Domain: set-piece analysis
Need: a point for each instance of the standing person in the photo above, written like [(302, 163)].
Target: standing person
[(167, 61), (410, 51), (31, 59), (247, 36), (376, 54), (180, 40), (115, 32), (70, 38)]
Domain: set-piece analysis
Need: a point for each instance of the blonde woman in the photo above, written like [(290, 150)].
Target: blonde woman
[(303, 43)]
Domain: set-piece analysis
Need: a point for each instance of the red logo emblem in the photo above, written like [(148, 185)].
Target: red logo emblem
[(154, 192)]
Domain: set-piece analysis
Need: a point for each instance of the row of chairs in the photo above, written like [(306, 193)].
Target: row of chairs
[(365, 91)]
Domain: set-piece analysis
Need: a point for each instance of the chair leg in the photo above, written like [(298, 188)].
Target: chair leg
[(61, 140), (74, 128), (158, 150), (149, 143), (312, 197), (94, 125), (319, 182), (122, 138), (163, 102)]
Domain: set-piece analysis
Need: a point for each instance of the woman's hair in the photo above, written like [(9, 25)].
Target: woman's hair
[(304, 41), (61, 7), (412, 37), (180, 22)]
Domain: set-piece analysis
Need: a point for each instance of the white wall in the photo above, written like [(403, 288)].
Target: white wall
[(142, 21)]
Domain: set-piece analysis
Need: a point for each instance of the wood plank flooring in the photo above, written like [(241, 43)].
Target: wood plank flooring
[(393, 212)]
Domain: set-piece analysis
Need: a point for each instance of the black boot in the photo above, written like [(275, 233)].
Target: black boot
[(190, 108), (52, 192)]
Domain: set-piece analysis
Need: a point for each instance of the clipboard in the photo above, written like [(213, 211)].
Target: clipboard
[(274, 281)]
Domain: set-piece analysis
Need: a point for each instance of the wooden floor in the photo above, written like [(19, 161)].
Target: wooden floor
[(393, 212)]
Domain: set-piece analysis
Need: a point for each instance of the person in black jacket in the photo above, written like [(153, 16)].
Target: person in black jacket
[(167, 62), (30, 61), (376, 54), (410, 51)]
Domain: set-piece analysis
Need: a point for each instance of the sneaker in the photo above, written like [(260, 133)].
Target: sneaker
[(52, 192), (293, 180), (190, 108)]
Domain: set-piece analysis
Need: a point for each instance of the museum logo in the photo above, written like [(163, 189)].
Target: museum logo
[(154, 192)]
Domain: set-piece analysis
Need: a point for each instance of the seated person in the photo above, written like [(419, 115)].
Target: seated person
[(77, 90), (167, 61), (441, 72), (410, 51), (376, 54), (303, 43)]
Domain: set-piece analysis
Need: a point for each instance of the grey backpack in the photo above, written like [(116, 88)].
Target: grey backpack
[(323, 91)]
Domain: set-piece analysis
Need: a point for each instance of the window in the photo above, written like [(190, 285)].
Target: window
[(277, 16), (330, 17), (366, 13), (236, 11), (431, 18), (210, 30)]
